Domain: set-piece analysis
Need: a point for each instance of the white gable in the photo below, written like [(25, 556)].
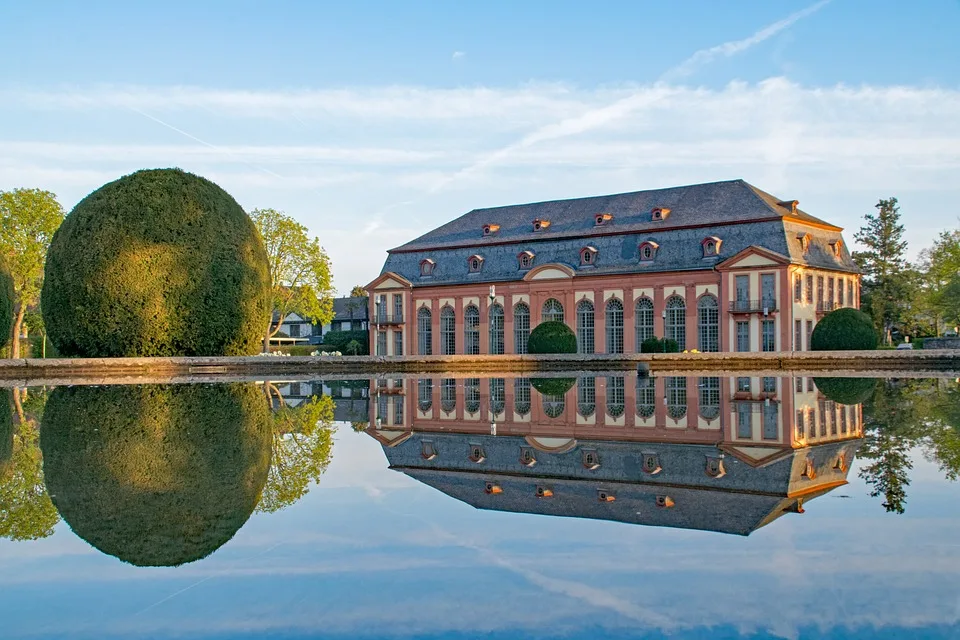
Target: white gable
[(550, 273), (754, 260)]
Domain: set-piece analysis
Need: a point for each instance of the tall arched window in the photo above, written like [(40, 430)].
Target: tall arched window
[(424, 332), (615, 396), (675, 325), (553, 406), (586, 396), (708, 323), (448, 332), (614, 328), (676, 396), (585, 322), (496, 329), (643, 319), (521, 396), (709, 397), (471, 330), (552, 311), (497, 395), (646, 396), (521, 327), (471, 395), (425, 394), (448, 395)]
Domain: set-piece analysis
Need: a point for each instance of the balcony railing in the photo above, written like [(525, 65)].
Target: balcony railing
[(382, 318), (827, 307), (753, 306)]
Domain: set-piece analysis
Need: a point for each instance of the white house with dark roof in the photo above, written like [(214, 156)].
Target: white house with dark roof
[(722, 266)]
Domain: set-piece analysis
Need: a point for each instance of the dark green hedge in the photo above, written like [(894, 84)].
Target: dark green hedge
[(654, 344), (6, 302), (552, 337), (157, 263), (156, 475), (338, 341), (553, 386), (844, 330), (847, 390)]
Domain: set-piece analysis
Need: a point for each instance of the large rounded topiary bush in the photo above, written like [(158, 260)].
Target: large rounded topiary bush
[(847, 390), (156, 475), (844, 330), (552, 337), (553, 386), (6, 302), (157, 263)]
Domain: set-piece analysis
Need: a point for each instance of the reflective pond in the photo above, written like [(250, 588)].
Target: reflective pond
[(614, 506)]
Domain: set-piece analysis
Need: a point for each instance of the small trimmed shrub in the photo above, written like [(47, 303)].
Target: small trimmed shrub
[(6, 302), (844, 330), (552, 386), (338, 341), (158, 263), (654, 344), (6, 435), (156, 475), (847, 390), (552, 337)]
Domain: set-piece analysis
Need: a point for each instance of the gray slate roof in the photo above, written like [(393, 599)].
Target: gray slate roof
[(696, 212), (350, 308), (741, 501)]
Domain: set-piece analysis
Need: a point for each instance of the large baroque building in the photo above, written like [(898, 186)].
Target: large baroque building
[(712, 453), (722, 266)]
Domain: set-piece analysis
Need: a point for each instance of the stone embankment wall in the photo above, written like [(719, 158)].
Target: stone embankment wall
[(116, 370)]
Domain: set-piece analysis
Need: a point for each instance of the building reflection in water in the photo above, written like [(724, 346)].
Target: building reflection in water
[(719, 454)]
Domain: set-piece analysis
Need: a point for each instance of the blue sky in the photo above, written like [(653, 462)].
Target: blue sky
[(372, 122)]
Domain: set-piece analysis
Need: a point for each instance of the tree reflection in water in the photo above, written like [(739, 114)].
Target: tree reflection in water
[(302, 448), (26, 512), (156, 475), (902, 415)]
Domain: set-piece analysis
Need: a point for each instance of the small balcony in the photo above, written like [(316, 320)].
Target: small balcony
[(753, 306), (824, 308), (382, 318)]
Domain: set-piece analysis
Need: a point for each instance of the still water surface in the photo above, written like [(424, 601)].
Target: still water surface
[(601, 507)]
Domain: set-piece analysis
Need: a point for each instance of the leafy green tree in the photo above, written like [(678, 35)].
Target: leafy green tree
[(302, 450), (883, 265), (358, 292), (299, 270), (940, 278), (28, 220)]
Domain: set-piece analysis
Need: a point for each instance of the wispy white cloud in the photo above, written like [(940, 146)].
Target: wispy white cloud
[(459, 55), (704, 57)]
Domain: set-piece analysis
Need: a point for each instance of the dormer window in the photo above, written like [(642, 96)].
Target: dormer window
[(427, 450), (426, 267), (525, 259), (527, 457), (492, 488), (544, 492), (489, 229), (540, 225), (714, 467), (474, 264), (804, 239), (590, 459), (648, 251), (588, 256), (664, 502), (604, 495), (790, 204), (659, 213), (711, 246), (477, 453), (602, 218), (837, 246), (651, 464)]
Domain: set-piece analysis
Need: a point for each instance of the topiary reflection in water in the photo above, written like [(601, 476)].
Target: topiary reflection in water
[(156, 475)]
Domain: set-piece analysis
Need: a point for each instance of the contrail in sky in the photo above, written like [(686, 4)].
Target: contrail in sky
[(595, 118), (727, 49)]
